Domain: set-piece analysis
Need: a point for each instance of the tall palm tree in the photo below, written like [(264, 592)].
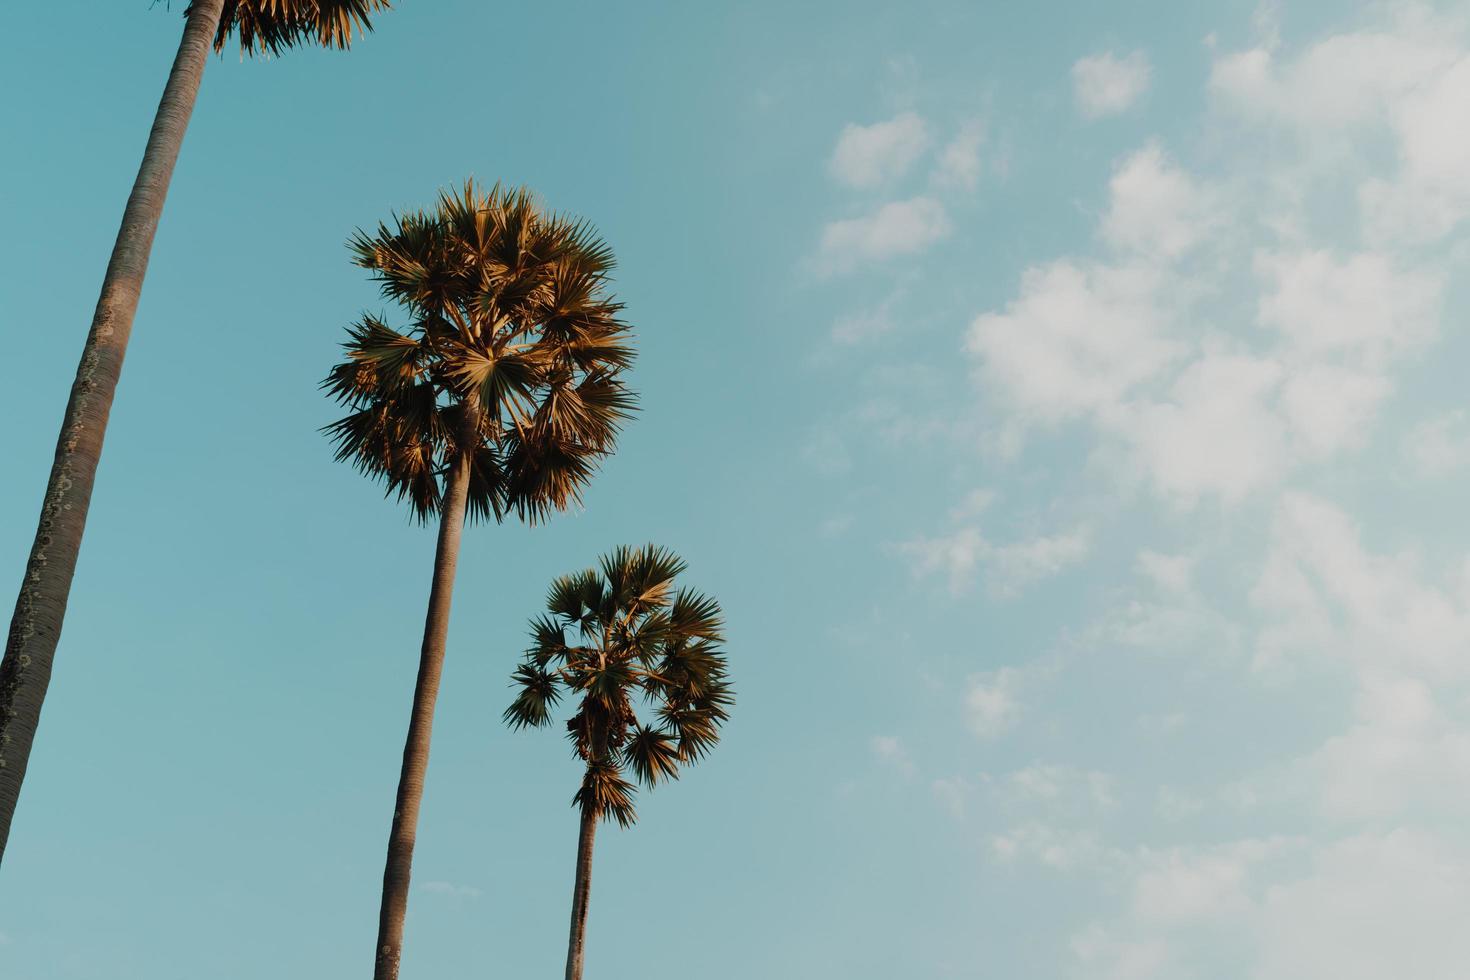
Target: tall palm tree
[(499, 398), (261, 26), (637, 638)]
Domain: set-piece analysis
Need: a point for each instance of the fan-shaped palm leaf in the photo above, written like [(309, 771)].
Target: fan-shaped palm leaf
[(271, 26)]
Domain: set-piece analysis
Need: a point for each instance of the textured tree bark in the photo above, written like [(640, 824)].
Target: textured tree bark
[(580, 893), (35, 628), (420, 728)]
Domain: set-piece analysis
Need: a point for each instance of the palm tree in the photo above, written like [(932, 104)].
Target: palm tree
[(499, 399), (261, 26), (638, 638)]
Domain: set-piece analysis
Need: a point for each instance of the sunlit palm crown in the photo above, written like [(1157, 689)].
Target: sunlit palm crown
[(270, 26), (613, 636), (511, 353)]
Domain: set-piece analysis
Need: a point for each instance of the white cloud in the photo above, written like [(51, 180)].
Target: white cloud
[(1057, 848), (1400, 637), (1375, 888), (974, 503), (896, 228), (864, 326), (890, 752), (1403, 758), (1439, 446), (953, 794), (1165, 612), (826, 452), (1236, 327), (1430, 195), (1198, 884), (992, 703), (1404, 84), (1059, 784), (1362, 907), (1214, 433), (1157, 208), (1106, 957), (1169, 572), (1371, 906), (1174, 805), (1331, 408), (959, 161), (1360, 306), (1022, 563), (867, 156), (956, 555), (1152, 345), (1009, 568), (1077, 340), (1342, 82), (835, 525), (1107, 84), (1325, 595)]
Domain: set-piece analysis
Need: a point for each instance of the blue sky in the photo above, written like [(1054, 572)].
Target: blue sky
[(1063, 400)]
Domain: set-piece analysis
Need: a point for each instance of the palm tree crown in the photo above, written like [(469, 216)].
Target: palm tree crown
[(271, 26), (638, 638), (511, 359)]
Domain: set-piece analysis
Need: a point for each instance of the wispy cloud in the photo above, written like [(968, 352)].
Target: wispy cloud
[(450, 889), (867, 156), (894, 229), (1106, 84)]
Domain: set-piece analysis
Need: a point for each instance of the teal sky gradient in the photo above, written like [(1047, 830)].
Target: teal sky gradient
[(213, 780)]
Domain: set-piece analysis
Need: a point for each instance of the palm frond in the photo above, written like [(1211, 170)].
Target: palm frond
[(650, 578), (690, 671), (385, 445), (271, 26), (695, 729), (605, 793), (571, 596), (696, 616), (487, 492), (547, 476), (646, 637), (548, 641), (501, 381), (652, 755), (534, 700)]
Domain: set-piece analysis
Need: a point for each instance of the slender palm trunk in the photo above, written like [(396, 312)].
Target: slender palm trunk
[(35, 628), (580, 892), (420, 727)]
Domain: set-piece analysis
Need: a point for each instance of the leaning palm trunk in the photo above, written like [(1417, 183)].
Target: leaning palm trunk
[(420, 727), (575, 943), (35, 628)]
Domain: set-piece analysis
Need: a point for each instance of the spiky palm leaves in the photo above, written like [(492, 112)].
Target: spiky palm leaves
[(510, 359), (611, 638), (271, 26), (614, 637), (25, 672)]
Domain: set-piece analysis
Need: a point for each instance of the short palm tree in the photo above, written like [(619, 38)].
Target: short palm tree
[(608, 639), (261, 26), (498, 397)]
